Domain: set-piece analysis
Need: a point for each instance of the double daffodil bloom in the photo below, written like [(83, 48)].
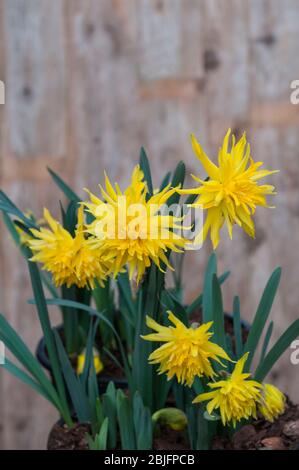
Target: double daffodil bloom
[(236, 397), (71, 260), (273, 402), (187, 352), (231, 192), (130, 227)]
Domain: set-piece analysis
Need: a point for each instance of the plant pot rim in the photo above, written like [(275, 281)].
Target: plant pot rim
[(43, 359)]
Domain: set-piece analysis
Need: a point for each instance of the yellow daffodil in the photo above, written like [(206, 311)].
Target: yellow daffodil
[(129, 227), (187, 352), (236, 397), (71, 260), (98, 365), (272, 403), (231, 192)]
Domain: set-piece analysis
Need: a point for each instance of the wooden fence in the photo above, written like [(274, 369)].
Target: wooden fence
[(88, 82)]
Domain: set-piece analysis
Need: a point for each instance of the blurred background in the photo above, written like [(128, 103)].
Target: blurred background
[(88, 82)]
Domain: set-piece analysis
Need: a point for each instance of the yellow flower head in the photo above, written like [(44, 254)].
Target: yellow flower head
[(71, 260), (272, 403), (187, 352), (236, 397), (231, 193), (129, 227), (98, 365)]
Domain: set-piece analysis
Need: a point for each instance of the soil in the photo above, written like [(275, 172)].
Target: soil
[(282, 434), (63, 438), (171, 440)]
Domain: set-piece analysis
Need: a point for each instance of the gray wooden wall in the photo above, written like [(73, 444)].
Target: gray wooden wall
[(88, 82)]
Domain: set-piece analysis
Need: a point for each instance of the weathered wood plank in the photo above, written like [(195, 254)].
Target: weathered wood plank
[(35, 76), (90, 82)]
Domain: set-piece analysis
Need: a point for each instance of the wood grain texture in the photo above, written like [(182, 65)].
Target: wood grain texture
[(89, 82)]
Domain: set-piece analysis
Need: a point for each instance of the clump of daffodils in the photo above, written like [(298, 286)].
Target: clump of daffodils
[(232, 191), (238, 397), (70, 259), (130, 227), (186, 352)]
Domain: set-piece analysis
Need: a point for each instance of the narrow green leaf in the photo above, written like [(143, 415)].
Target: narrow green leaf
[(65, 188), (74, 386), (21, 352), (177, 180), (103, 434), (93, 312), (26, 379), (218, 314), (277, 350), (207, 304), (261, 316), (145, 167), (48, 333), (109, 406), (266, 341), (165, 181), (124, 285), (142, 423), (197, 303), (237, 327), (125, 421)]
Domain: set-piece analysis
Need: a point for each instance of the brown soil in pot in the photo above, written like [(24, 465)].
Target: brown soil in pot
[(171, 440), (282, 434), (63, 438)]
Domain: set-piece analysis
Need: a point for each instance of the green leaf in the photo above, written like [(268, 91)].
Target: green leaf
[(197, 303), (266, 341), (237, 327), (9, 207), (165, 181), (71, 217), (48, 334), (26, 379), (145, 167), (191, 198), (13, 232), (177, 180), (93, 312), (125, 421), (207, 304), (65, 188), (103, 434), (277, 350), (109, 407), (261, 316), (124, 285), (21, 352), (74, 386), (142, 423), (170, 302), (218, 314), (89, 360)]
